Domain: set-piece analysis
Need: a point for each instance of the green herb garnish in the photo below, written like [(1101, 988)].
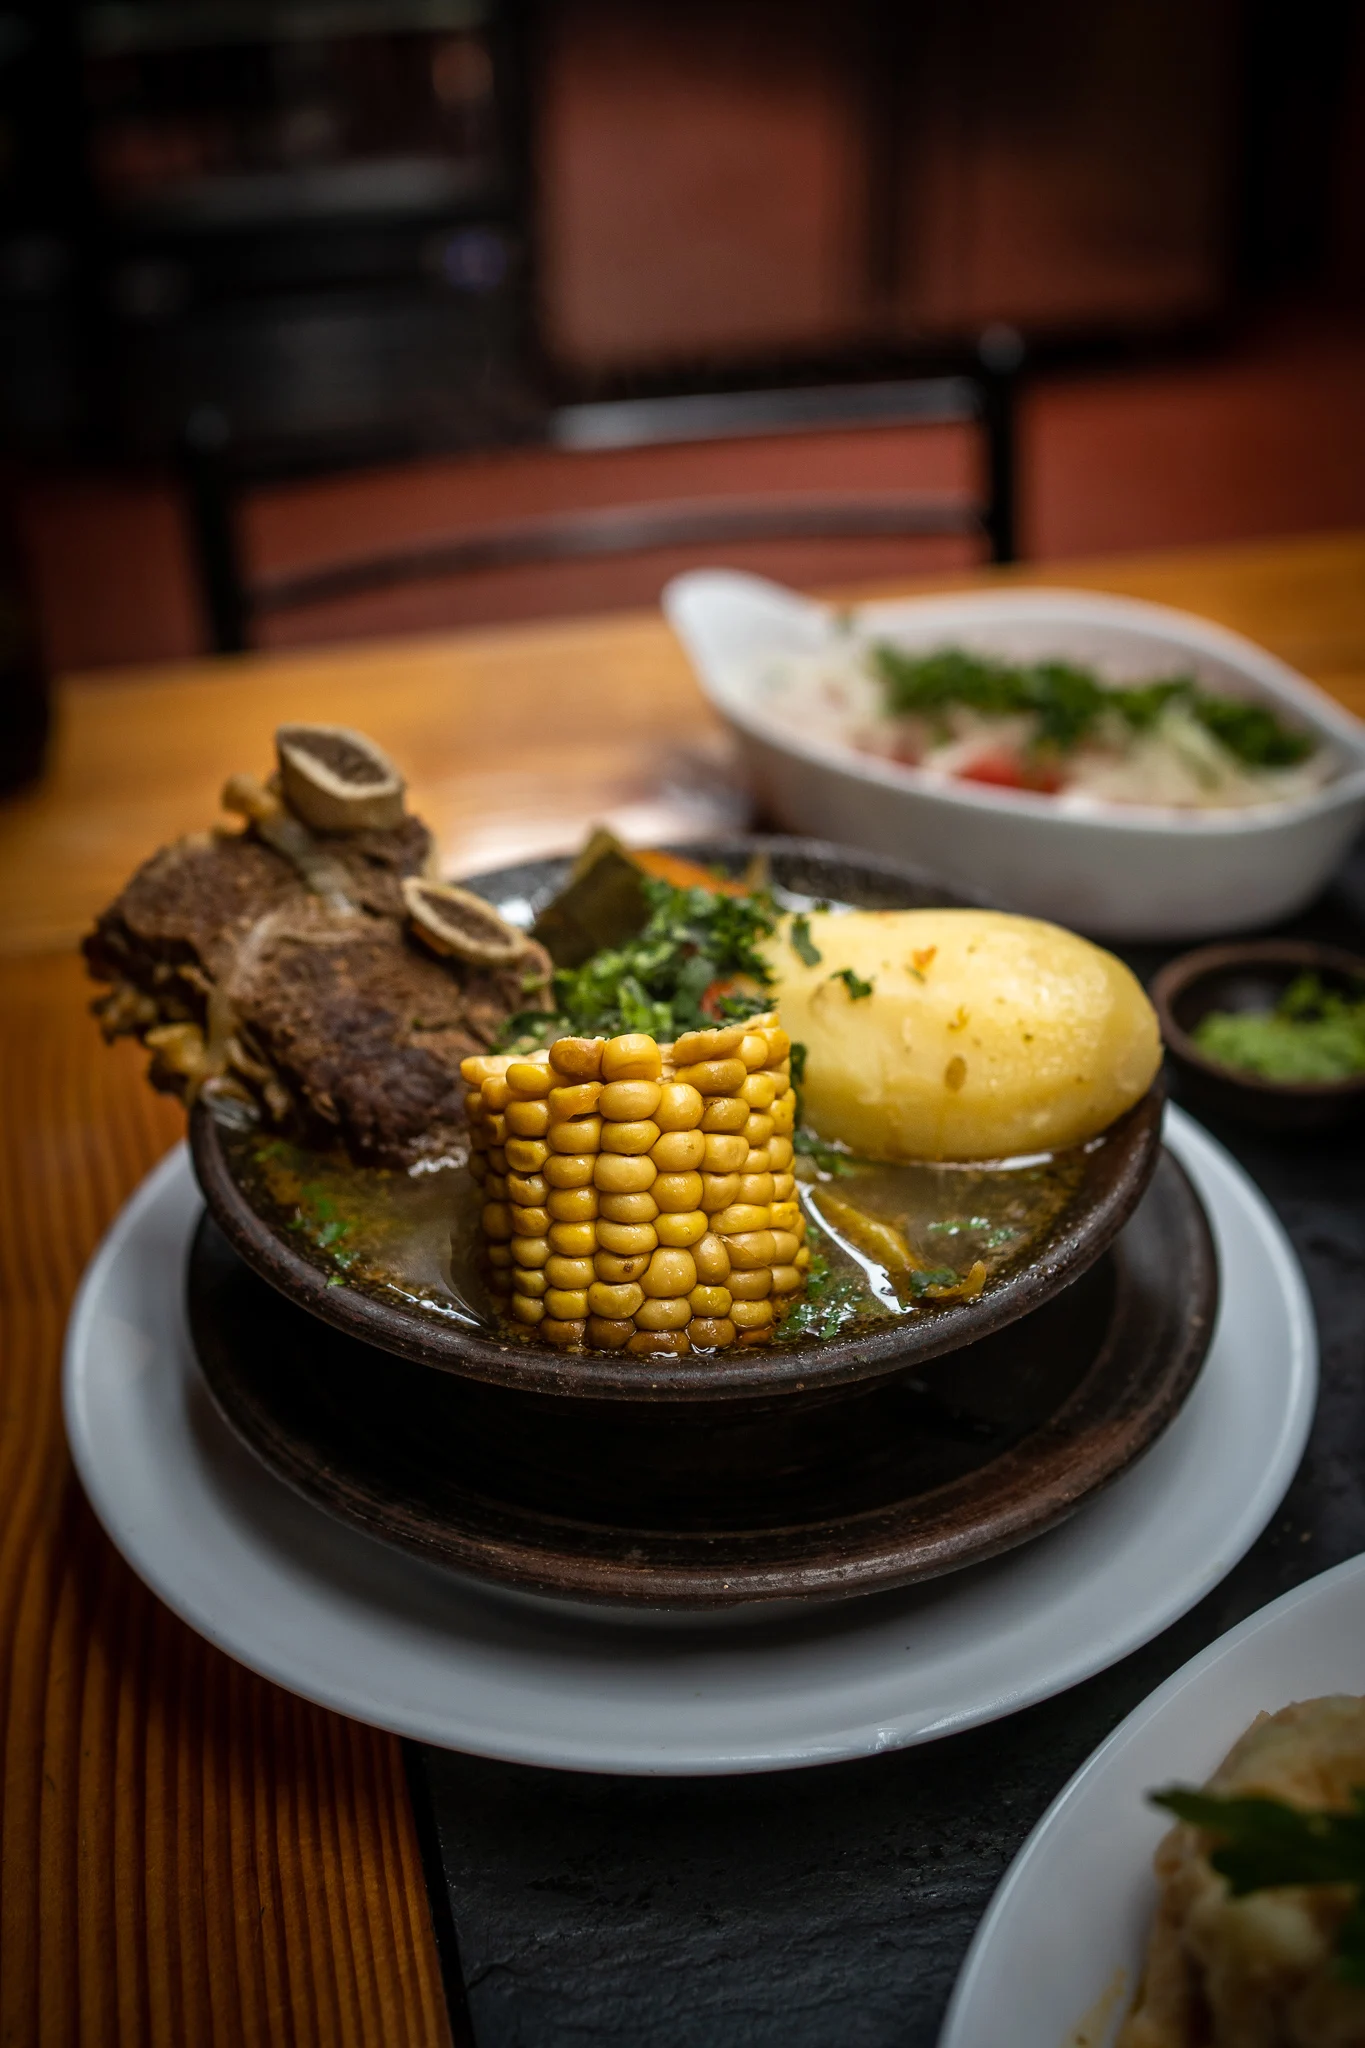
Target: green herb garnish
[(854, 983), (1263, 1843), (1312, 1034), (828, 1159), (698, 947), (1066, 702), (831, 1301), (802, 944)]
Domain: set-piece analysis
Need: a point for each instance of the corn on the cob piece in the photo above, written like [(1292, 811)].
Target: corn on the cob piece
[(640, 1196)]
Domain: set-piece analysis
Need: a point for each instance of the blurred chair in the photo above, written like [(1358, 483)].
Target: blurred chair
[(234, 602)]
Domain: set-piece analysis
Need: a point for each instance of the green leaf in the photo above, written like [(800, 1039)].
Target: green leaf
[(802, 944), (858, 989), (1264, 1843)]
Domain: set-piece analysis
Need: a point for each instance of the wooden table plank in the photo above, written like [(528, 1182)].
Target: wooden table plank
[(187, 1854), (516, 739)]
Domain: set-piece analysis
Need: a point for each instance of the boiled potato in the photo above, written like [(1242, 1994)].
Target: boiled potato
[(984, 1035)]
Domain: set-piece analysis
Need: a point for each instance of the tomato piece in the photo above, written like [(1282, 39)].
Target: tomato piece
[(999, 770), (726, 985)]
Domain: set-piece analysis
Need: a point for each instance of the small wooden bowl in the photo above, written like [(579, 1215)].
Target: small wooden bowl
[(1252, 976)]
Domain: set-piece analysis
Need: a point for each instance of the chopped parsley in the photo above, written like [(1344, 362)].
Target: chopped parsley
[(854, 983), (831, 1301), (1066, 702), (1313, 1034), (1264, 1843), (830, 1159), (802, 944), (696, 962)]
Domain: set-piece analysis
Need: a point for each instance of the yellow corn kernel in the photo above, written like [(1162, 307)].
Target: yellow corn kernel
[(527, 1309), (478, 1166), (780, 1154), (626, 1102), (578, 1058), (751, 1248), (714, 1044), (527, 1119), (784, 1187), (753, 1050), (566, 1304), (496, 1220), (526, 1251), (615, 1268), (785, 1216), (502, 1254), (785, 1246), (569, 1169), (584, 1134), (751, 1315), (677, 1151), (530, 1189), (473, 1106), (654, 1343), (529, 1077), (677, 1191), (683, 1227), (495, 1131), (619, 1173), (759, 1091), (712, 1260), (566, 1335), (640, 1208), (710, 1301), (680, 1108), (739, 1217), (614, 1303), (495, 1187), (573, 1240), (663, 1313), (779, 1044), (529, 1222), (526, 1280), (710, 1333), (476, 1065), (626, 1238), (802, 1259), (718, 1190), (578, 1099), (669, 1273), (755, 1285), (786, 1279), (782, 1115), (563, 1271), (725, 1152), (725, 1113), (713, 1077), (758, 1129), (631, 1138), (526, 1155), (632, 1057), (606, 1334), (756, 1187), (496, 1092), (572, 1205)]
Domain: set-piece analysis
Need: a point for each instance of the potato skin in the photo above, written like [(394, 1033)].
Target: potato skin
[(985, 1036)]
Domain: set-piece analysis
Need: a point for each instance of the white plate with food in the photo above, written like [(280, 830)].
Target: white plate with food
[(1111, 764), (1065, 1945), (360, 1627)]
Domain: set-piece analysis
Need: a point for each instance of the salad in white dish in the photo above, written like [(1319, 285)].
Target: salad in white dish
[(1050, 727)]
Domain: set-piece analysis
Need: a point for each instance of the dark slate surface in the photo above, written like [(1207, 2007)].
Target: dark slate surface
[(832, 1908)]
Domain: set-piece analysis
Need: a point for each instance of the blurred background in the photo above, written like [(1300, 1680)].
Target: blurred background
[(327, 318)]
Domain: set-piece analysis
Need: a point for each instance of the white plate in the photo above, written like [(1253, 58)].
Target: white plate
[(1065, 1934), (1126, 872), (349, 1622)]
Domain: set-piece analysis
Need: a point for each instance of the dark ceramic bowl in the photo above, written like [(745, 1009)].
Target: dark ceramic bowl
[(1116, 1173), (1252, 976)]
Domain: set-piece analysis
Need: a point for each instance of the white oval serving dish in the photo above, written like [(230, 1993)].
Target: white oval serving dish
[(1118, 871)]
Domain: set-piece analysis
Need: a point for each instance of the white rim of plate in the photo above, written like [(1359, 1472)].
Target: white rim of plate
[(959, 2019), (369, 1631)]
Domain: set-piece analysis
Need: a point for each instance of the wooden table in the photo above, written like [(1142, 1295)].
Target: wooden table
[(187, 1853)]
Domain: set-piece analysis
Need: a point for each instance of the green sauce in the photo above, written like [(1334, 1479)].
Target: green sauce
[(1312, 1034)]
